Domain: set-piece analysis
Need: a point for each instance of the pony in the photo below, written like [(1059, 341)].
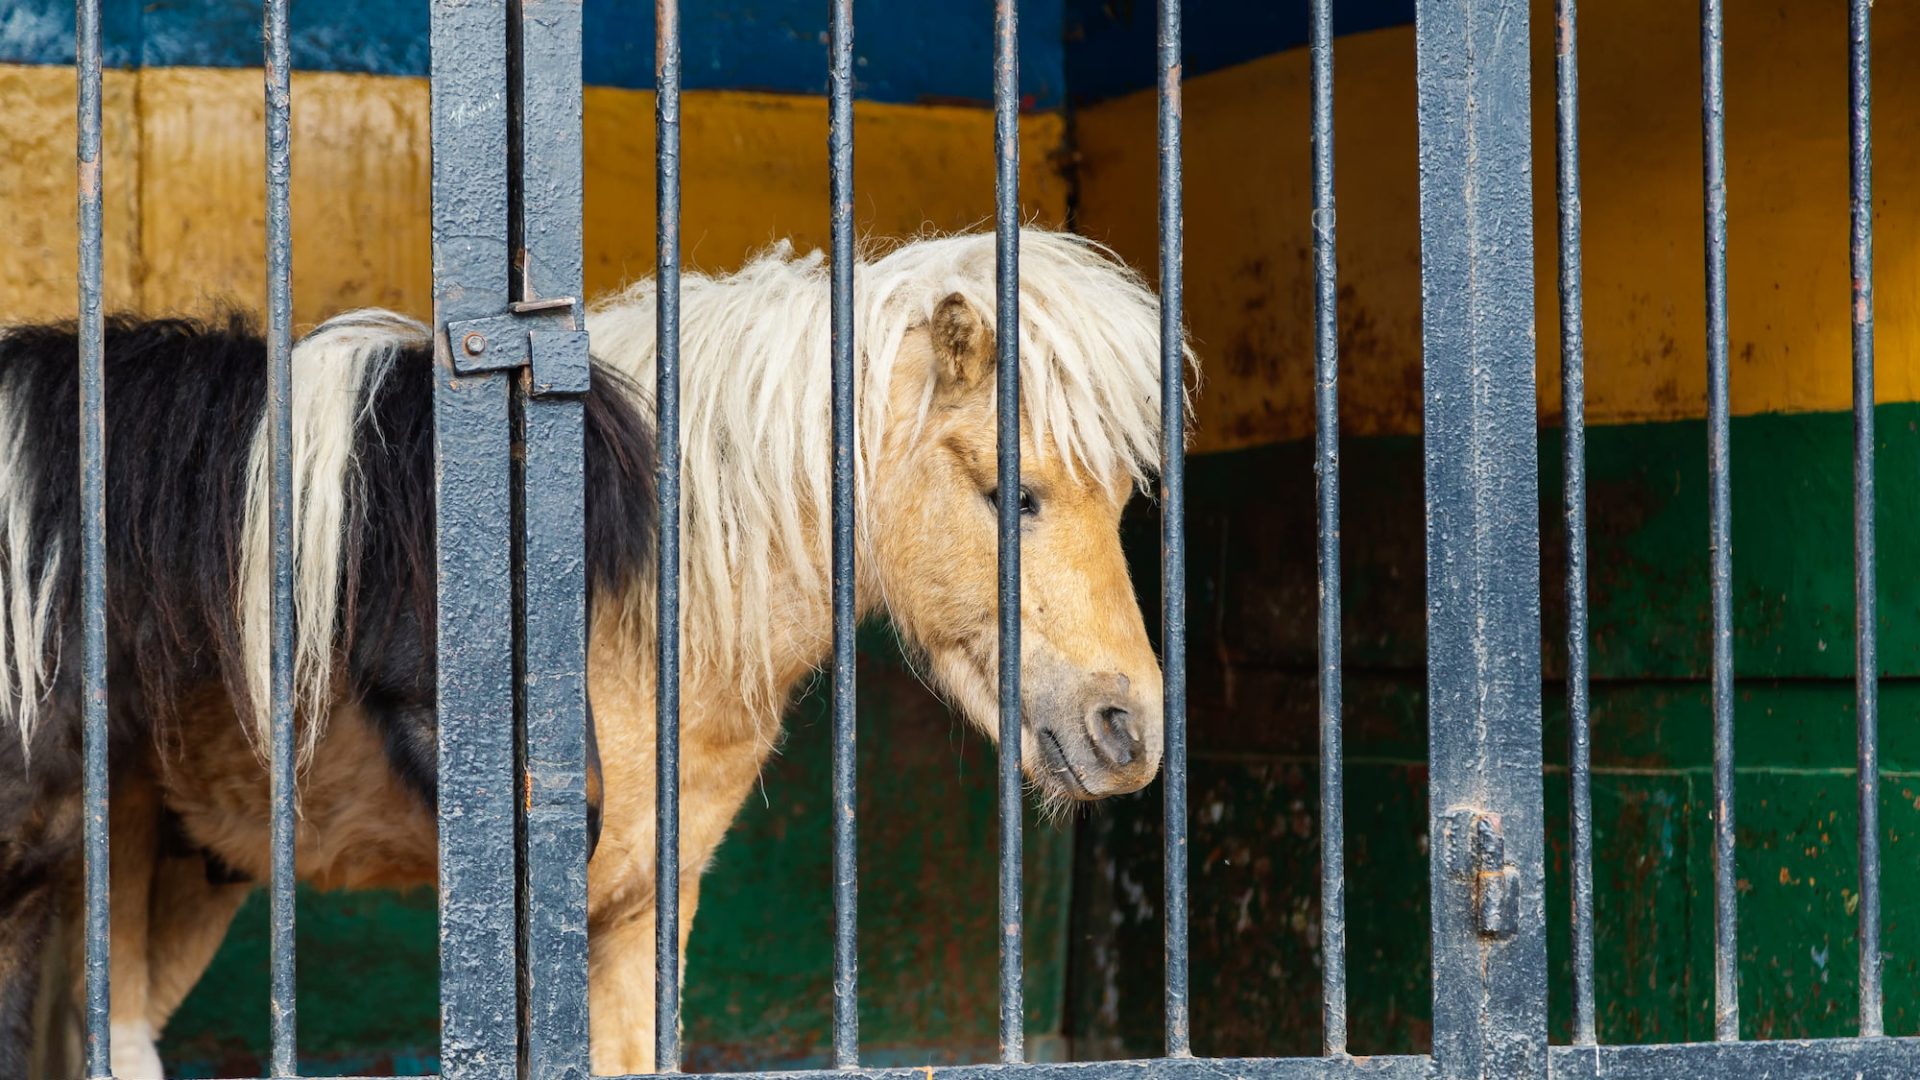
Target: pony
[(188, 556)]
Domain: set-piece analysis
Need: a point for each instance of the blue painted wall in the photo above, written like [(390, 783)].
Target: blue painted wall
[(904, 52), (1110, 43)]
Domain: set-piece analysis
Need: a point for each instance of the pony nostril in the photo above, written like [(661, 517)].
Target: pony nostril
[(1114, 735)]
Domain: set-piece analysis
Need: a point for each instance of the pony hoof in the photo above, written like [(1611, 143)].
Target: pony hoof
[(135, 1056)]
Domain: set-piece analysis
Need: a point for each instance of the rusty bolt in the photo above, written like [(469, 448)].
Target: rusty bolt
[(475, 343)]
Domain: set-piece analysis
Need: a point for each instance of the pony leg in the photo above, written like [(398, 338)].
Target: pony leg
[(26, 917), (188, 921), (167, 923), (134, 849), (620, 1000)]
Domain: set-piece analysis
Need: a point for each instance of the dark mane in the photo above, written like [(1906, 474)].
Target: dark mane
[(183, 401)]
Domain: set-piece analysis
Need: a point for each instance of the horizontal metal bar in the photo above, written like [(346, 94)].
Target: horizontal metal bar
[(501, 342), (1855, 1059), (1398, 1067)]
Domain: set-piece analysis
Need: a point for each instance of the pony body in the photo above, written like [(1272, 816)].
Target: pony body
[(755, 580)]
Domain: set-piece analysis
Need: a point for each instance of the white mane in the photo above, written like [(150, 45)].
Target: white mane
[(755, 400)]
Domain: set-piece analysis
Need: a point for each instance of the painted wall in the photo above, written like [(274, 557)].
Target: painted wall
[(185, 167), (1251, 571), (184, 225), (1249, 269)]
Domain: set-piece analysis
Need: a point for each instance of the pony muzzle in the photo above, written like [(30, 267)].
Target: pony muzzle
[(1094, 737)]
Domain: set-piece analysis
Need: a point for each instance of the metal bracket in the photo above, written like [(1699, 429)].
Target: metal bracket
[(543, 334), (1475, 850)]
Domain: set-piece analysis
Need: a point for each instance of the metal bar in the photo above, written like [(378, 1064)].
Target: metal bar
[(1173, 532), (550, 581), (1726, 975), (279, 65), (1326, 467), (473, 629), (93, 525), (1855, 1059), (1006, 144), (667, 398), (1382, 1067), (1866, 608), (1482, 540), (1573, 397), (846, 880)]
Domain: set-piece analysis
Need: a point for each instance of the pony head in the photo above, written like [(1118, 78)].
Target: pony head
[(1090, 689), (755, 436)]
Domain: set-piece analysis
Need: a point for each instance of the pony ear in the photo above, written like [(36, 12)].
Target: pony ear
[(962, 345)]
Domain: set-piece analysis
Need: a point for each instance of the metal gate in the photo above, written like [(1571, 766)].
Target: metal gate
[(512, 355)]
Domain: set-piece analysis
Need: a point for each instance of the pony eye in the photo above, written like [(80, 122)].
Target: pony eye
[(1029, 506)]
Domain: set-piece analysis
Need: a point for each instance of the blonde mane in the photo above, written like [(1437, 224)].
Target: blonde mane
[(755, 404)]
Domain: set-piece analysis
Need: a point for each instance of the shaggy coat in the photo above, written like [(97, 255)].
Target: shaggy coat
[(190, 560), (184, 402)]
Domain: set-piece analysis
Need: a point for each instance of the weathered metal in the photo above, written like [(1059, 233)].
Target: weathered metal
[(1173, 533), (1573, 395), (545, 193), (1006, 224), (1866, 608), (1326, 469), (92, 423), (846, 887), (474, 623), (1726, 977), (667, 420), (1482, 526), (281, 742)]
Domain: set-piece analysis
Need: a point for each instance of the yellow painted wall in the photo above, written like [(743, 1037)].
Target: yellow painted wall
[(185, 181), (1248, 201)]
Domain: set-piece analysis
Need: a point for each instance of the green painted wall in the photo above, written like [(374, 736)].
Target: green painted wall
[(1255, 780), (758, 967)]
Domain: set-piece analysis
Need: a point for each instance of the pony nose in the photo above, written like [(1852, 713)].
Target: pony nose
[(1115, 734)]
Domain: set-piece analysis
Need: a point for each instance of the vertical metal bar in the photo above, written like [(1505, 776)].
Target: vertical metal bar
[(93, 525), (1482, 540), (846, 889), (1573, 395), (1006, 143), (281, 747), (473, 628), (1726, 980), (667, 398), (1866, 608), (545, 200), (1326, 466), (1173, 530)]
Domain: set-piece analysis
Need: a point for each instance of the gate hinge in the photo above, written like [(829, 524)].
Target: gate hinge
[(1476, 854), (542, 334)]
